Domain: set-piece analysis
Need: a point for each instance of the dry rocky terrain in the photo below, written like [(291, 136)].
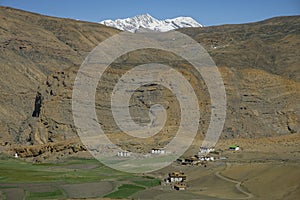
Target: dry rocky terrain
[(40, 57)]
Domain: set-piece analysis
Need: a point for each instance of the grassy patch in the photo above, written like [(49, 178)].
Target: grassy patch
[(14, 171), (125, 191), (147, 182), (45, 195)]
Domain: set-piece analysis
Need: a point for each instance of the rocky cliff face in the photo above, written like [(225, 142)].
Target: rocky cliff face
[(258, 62)]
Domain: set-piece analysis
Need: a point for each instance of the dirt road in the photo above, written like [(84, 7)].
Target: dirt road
[(238, 183)]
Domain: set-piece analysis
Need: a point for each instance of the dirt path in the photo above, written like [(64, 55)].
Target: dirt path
[(238, 183)]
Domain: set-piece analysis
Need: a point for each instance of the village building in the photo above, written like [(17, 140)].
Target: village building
[(206, 158), (206, 150), (192, 161), (188, 161), (234, 147), (124, 153), (180, 186), (176, 177), (180, 160), (158, 151)]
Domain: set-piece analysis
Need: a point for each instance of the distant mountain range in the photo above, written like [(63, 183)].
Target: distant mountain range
[(146, 22)]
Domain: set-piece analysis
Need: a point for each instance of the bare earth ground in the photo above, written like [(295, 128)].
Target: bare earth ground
[(268, 181), (265, 168)]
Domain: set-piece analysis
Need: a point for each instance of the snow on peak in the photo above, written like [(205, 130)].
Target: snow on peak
[(148, 23)]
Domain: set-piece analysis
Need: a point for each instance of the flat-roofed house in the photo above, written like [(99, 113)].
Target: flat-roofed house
[(158, 151), (176, 177)]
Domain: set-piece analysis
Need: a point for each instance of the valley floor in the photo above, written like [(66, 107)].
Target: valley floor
[(266, 168)]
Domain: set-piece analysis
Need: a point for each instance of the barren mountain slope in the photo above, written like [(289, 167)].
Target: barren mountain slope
[(258, 62), (31, 48)]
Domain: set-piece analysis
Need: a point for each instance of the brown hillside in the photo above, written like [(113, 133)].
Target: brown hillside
[(32, 47), (259, 63)]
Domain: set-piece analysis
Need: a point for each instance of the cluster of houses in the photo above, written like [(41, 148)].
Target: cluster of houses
[(177, 180), (204, 156), (201, 158), (154, 151), (195, 160)]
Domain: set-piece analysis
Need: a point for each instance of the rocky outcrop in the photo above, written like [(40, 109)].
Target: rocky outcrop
[(37, 105), (39, 153)]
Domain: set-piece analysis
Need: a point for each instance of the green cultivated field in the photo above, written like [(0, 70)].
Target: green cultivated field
[(125, 191), (19, 179)]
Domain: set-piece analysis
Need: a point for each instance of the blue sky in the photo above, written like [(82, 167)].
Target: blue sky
[(206, 12)]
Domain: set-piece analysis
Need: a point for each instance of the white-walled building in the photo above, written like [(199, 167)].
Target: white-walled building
[(158, 151), (206, 150), (176, 177), (124, 153), (234, 147)]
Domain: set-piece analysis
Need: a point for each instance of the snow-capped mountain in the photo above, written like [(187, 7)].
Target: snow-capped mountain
[(148, 23)]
